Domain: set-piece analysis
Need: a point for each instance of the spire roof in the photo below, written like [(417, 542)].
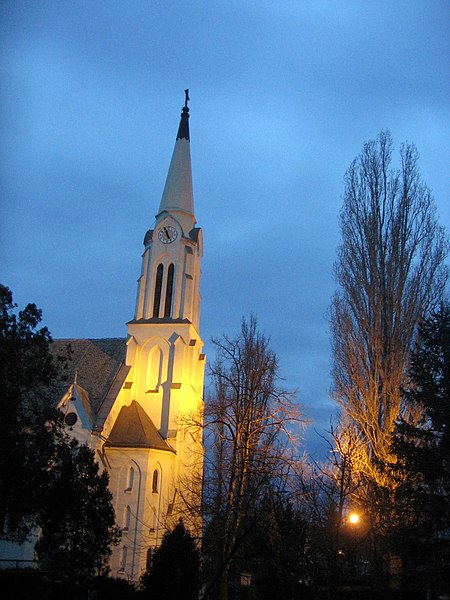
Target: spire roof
[(183, 129), (178, 197)]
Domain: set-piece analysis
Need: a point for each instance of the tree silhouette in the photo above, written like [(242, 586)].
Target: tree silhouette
[(76, 517), (174, 571), (250, 425), (423, 452), (29, 424)]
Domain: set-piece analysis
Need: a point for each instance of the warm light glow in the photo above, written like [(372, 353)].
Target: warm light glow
[(353, 518)]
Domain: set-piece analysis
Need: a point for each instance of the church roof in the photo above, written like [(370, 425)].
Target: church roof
[(98, 366), (134, 429)]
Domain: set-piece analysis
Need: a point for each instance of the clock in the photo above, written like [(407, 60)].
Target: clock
[(167, 234)]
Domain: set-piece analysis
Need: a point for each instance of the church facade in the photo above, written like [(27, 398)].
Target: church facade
[(138, 401)]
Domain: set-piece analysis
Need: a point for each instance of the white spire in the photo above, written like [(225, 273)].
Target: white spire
[(177, 196)]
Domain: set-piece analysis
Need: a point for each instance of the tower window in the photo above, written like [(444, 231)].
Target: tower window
[(130, 480), (155, 481), (158, 287), (169, 290), (154, 370)]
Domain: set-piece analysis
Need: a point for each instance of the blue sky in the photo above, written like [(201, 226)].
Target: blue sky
[(283, 96)]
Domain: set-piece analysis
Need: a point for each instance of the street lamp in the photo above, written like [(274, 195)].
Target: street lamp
[(353, 518)]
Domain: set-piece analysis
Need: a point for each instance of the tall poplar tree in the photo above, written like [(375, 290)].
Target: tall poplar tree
[(390, 271)]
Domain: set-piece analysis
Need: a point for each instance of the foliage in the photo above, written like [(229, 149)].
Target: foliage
[(175, 568), (329, 490), (423, 452), (280, 550), (76, 517), (248, 423), (46, 480), (29, 424), (36, 585), (112, 588), (390, 270)]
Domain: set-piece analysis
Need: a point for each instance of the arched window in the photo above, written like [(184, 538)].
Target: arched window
[(126, 519), (149, 560), (154, 366), (169, 291), (155, 481), (130, 480), (158, 287), (123, 560)]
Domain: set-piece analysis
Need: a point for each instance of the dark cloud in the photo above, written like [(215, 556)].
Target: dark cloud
[(283, 96)]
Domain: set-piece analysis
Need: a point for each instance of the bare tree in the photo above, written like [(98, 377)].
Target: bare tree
[(250, 420), (390, 269), (328, 492)]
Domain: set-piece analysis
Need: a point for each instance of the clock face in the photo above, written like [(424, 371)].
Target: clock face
[(167, 234)]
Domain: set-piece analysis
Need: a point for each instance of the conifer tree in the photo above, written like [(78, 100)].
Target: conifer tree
[(174, 571), (423, 451)]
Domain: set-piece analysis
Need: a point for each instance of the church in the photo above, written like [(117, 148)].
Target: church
[(138, 402)]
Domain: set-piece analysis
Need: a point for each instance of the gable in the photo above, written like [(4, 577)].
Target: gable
[(98, 366)]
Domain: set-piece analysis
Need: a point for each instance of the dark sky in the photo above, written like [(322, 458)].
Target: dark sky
[(283, 96)]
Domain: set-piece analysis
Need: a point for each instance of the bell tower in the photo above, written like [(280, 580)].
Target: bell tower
[(154, 440), (169, 286)]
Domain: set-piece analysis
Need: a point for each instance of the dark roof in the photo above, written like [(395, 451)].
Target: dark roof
[(183, 129), (134, 429), (193, 234), (96, 363), (148, 237)]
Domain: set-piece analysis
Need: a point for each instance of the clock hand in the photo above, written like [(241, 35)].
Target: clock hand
[(167, 233)]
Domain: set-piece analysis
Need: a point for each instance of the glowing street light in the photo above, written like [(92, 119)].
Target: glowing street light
[(353, 518)]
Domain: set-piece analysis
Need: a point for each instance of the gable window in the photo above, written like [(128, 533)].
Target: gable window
[(158, 287), (155, 481), (169, 291)]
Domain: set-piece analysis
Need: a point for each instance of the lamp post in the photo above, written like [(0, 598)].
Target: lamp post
[(353, 520)]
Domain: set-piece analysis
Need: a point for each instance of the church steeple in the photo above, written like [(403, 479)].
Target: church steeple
[(177, 197), (169, 286)]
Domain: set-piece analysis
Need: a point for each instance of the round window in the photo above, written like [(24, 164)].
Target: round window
[(70, 419)]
